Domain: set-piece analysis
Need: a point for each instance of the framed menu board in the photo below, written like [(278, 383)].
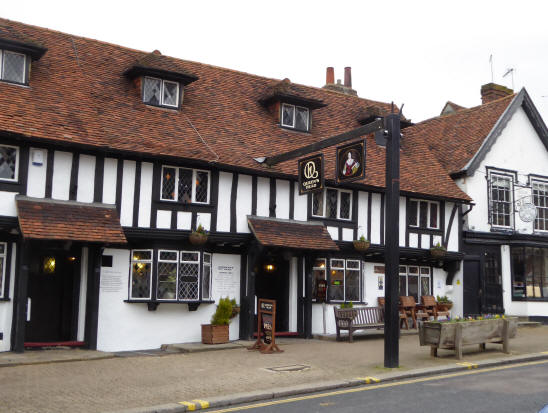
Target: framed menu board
[(266, 328)]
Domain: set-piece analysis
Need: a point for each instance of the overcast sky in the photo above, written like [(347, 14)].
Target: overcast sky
[(421, 53)]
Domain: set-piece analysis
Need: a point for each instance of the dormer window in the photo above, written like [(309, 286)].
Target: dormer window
[(295, 117), (160, 92), (13, 67)]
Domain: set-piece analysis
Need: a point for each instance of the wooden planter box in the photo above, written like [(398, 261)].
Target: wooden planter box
[(214, 334), (459, 334)]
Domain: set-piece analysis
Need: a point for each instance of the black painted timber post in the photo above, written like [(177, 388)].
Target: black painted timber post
[(392, 253), (21, 295), (308, 297)]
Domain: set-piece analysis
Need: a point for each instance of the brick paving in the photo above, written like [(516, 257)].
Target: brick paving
[(118, 383)]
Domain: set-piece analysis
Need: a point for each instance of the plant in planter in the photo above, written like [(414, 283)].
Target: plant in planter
[(217, 331), (349, 307), (438, 251), (444, 303), (235, 308), (198, 236), (361, 244)]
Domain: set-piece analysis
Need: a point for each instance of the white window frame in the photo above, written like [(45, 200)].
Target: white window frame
[(204, 264), (3, 258), (343, 269), (360, 274), (537, 181), (295, 117), (151, 262), (428, 215), (323, 269), (324, 195), (17, 158), (510, 177), (2, 59), (419, 276), (199, 263), (193, 197), (175, 261), (162, 85)]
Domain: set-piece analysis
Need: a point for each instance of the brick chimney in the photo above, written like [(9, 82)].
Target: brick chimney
[(492, 91), (339, 87)]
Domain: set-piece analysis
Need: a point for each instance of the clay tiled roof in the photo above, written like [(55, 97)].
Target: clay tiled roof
[(456, 138), (272, 232), (71, 221), (78, 93)]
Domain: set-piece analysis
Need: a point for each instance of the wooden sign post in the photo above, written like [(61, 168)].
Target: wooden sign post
[(266, 324)]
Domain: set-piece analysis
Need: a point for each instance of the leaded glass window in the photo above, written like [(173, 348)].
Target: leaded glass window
[(415, 281), (206, 277), (8, 162), (540, 199), (185, 185), (301, 118), (141, 272), (295, 117), (318, 273), (167, 275), (317, 204), (171, 93), (501, 200), (423, 214), (3, 251), (352, 281), (335, 290), (288, 115), (159, 92), (345, 205), (189, 276), (332, 203), (13, 66)]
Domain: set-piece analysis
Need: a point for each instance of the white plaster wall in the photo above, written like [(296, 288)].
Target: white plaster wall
[(347, 234), (36, 181), (454, 236), (223, 213), (413, 240), (454, 292), (128, 189), (517, 148), (371, 283), (109, 180), (300, 212), (62, 166), (204, 219), (124, 326), (334, 232), (375, 218), (403, 221), (145, 195), (293, 273), (184, 220), (243, 202), (282, 199), (7, 204), (163, 219), (6, 307), (83, 294), (425, 241), (362, 213), (319, 312), (263, 196), (86, 178)]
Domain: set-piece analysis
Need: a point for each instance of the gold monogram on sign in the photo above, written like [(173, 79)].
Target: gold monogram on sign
[(310, 171)]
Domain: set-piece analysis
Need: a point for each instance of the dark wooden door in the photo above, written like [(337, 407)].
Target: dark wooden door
[(274, 285), (471, 287), (51, 298)]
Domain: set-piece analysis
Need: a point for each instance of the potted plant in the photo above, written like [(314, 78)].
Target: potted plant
[(438, 251), (349, 307), (361, 244), (444, 303), (198, 236), (235, 308), (217, 331)]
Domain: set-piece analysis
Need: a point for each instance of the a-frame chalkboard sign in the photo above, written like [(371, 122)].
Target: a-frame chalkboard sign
[(266, 324)]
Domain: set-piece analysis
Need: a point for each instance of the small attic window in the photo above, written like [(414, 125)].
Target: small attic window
[(13, 67), (160, 92), (295, 117)]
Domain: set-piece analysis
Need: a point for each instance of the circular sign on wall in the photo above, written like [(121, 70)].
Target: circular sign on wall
[(528, 212)]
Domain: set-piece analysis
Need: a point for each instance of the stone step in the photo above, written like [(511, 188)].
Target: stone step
[(529, 324)]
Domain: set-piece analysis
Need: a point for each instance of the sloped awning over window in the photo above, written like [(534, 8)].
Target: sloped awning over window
[(272, 232), (69, 221)]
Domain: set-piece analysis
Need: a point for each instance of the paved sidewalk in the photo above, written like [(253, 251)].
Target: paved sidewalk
[(142, 379)]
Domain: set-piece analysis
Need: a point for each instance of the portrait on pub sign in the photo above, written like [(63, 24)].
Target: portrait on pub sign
[(351, 162)]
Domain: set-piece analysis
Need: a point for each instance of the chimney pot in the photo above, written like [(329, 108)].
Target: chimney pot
[(348, 77), (330, 76)]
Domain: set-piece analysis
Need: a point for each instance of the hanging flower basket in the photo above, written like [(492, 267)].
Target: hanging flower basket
[(361, 245), (438, 252), (198, 237)]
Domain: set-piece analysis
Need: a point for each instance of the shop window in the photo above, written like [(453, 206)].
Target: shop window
[(141, 273), (529, 273), (9, 163), (346, 280), (295, 117), (415, 281), (185, 185), (160, 92), (332, 203), (500, 205), (3, 252), (13, 67), (540, 200), (423, 214)]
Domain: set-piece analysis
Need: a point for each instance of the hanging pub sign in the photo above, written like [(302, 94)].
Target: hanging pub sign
[(311, 176), (351, 162)]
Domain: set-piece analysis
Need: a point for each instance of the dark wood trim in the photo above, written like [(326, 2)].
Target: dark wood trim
[(272, 198), (382, 227), (193, 220), (442, 218), (308, 297), (254, 195), (21, 294), (24, 154), (291, 199), (369, 203), (174, 217), (99, 178), (74, 169), (137, 193), (92, 302), (214, 199), (119, 181), (49, 172), (355, 212), (300, 298), (233, 198)]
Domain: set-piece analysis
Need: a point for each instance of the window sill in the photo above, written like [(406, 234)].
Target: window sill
[(530, 299), (153, 304), (332, 220), (5, 299), (184, 204), (295, 129), (173, 108)]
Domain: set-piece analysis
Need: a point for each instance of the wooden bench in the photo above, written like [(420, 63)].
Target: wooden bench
[(359, 318)]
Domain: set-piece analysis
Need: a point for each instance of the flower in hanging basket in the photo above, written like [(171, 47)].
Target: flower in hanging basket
[(199, 236), (438, 251), (361, 244)]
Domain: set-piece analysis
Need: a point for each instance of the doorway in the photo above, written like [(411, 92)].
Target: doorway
[(53, 290), (273, 283), (471, 287)]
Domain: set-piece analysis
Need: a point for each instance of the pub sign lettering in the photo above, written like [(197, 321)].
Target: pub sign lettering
[(311, 176), (351, 162)]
